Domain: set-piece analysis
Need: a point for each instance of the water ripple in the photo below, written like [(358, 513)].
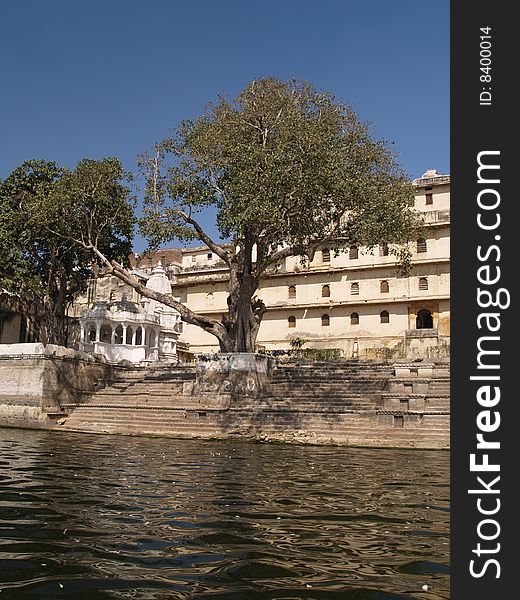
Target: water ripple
[(108, 517)]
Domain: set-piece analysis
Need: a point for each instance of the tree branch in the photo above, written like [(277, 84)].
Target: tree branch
[(308, 250), (187, 315), (113, 267), (204, 237)]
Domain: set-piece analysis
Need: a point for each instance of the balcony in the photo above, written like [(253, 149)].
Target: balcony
[(436, 217)]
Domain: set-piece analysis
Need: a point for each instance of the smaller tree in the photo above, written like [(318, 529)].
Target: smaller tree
[(40, 264)]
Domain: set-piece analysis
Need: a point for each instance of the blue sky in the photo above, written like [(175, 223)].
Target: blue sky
[(97, 78)]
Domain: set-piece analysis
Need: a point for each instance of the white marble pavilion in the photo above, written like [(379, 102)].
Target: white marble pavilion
[(122, 330)]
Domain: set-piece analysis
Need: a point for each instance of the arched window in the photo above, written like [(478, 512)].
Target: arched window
[(291, 291), (354, 318), (325, 291), (129, 335), (423, 283), (291, 321), (384, 288), (385, 317), (139, 337), (422, 246), (152, 339), (353, 252), (325, 255), (383, 249), (354, 289), (325, 320), (118, 339), (424, 319), (91, 336), (105, 334)]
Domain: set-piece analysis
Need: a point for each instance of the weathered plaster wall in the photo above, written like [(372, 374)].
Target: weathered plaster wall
[(36, 379)]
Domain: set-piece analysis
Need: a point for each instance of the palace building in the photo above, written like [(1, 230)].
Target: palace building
[(354, 301)]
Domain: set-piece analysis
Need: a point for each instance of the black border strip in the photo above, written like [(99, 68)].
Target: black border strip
[(482, 121)]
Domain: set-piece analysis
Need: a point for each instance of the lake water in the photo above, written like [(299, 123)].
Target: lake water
[(109, 517)]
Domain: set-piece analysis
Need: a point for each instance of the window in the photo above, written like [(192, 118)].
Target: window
[(385, 317), (151, 339), (354, 318), (291, 291), (325, 320), (423, 283), (325, 255), (193, 259), (210, 256), (353, 252), (383, 249), (354, 289), (429, 198), (325, 291), (424, 319), (384, 288), (422, 245), (291, 321), (106, 333)]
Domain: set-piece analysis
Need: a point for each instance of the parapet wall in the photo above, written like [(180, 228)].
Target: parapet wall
[(36, 379)]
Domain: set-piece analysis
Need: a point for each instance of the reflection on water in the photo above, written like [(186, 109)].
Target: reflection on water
[(97, 517)]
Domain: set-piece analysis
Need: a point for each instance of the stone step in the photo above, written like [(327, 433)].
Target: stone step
[(139, 393), (386, 436), (189, 419), (194, 425), (347, 402), (325, 377), (301, 385), (202, 431)]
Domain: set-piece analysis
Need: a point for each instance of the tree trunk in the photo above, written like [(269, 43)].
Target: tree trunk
[(241, 333), (55, 314), (243, 319)]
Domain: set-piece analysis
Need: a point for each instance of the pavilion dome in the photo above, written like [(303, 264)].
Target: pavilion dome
[(158, 280)]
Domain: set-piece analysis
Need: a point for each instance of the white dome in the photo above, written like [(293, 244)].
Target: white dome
[(159, 281)]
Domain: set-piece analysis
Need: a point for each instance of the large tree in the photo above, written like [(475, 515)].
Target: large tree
[(287, 169), (41, 269)]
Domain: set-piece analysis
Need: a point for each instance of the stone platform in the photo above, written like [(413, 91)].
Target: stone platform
[(346, 403)]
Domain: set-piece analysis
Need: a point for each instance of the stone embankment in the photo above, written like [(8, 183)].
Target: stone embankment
[(349, 402), (363, 404)]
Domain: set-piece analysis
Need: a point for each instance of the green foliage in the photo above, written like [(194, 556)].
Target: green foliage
[(43, 207), (284, 165), (95, 207), (287, 169), (297, 343), (317, 354)]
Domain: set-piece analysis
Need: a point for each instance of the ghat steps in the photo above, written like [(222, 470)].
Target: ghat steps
[(359, 404)]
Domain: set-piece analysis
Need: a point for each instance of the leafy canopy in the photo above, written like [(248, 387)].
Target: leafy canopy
[(284, 165), (43, 209)]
